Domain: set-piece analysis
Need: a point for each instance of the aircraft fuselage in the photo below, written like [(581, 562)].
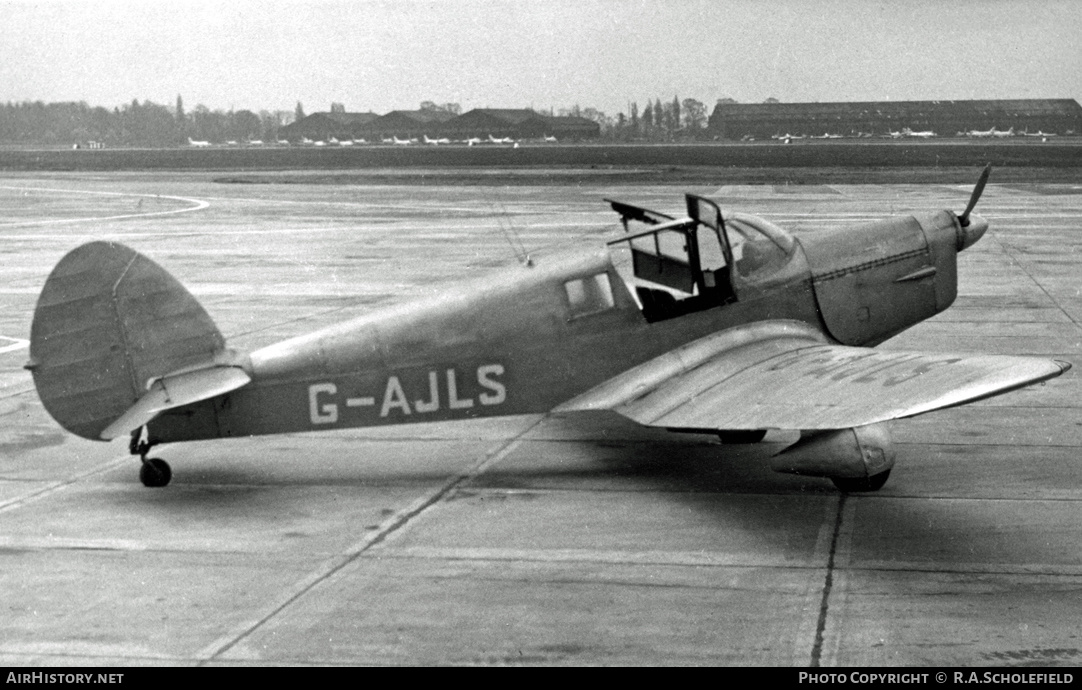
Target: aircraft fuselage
[(536, 335), (512, 344)]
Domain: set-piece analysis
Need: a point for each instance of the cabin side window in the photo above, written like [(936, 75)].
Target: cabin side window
[(589, 295)]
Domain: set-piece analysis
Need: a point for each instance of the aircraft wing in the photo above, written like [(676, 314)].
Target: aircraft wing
[(785, 375)]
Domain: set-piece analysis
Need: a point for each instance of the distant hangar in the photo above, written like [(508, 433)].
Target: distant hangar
[(479, 123), (945, 118)]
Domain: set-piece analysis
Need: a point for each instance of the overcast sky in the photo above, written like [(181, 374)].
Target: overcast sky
[(382, 56)]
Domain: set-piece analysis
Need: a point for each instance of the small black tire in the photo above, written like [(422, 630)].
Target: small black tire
[(737, 437), (155, 473), (850, 485)]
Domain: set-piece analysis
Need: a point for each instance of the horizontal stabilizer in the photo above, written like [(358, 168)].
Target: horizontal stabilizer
[(781, 375), (176, 390)]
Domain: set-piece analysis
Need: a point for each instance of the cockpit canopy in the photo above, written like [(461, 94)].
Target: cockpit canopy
[(699, 261), (759, 247)]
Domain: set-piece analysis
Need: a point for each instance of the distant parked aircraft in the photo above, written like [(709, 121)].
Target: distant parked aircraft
[(198, 144), (787, 138), (927, 134), (401, 142), (990, 133), (435, 142), (550, 139), (504, 140), (1038, 133)]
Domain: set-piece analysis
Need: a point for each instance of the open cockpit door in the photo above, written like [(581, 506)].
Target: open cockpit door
[(712, 245), (663, 255), (681, 265), (643, 215)]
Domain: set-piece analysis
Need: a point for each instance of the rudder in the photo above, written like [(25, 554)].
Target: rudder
[(107, 322)]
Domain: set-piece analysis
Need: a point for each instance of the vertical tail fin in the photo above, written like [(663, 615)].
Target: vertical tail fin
[(108, 321)]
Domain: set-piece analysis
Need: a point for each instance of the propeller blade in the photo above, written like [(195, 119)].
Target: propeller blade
[(963, 219)]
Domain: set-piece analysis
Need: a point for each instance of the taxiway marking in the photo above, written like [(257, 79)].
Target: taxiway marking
[(358, 228), (199, 204), (17, 344)]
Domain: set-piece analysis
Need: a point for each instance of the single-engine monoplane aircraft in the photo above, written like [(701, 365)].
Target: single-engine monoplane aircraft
[(706, 323)]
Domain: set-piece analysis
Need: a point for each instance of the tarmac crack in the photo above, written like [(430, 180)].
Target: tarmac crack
[(828, 584), (15, 394), (299, 319), (53, 487), (335, 564), (1018, 261)]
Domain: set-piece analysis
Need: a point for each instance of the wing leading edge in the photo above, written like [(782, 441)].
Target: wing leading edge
[(785, 375)]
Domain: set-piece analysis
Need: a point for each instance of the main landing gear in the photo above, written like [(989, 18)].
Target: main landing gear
[(154, 472)]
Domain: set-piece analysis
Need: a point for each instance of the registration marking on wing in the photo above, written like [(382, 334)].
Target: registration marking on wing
[(781, 376), (862, 366)]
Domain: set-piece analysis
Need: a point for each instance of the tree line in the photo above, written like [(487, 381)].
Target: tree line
[(149, 124), (135, 124), (657, 121)]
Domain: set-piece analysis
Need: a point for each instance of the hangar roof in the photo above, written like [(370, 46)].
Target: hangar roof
[(350, 118), (511, 115), (516, 122), (419, 116), (1027, 106)]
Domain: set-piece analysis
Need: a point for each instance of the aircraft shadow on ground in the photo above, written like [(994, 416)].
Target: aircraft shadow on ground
[(585, 453)]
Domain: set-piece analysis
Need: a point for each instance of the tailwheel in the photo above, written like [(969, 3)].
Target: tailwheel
[(850, 485), (155, 472)]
